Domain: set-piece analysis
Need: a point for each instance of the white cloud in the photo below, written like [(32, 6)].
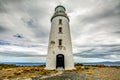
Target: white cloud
[(95, 28)]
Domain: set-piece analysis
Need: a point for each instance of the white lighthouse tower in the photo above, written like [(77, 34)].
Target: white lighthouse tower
[(60, 46)]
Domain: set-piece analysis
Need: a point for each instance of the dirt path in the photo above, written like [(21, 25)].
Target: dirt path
[(65, 76), (68, 76), (52, 75)]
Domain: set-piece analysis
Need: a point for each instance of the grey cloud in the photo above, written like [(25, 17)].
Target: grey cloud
[(99, 52), (5, 5), (99, 45), (33, 16), (97, 16), (117, 32), (86, 51), (20, 54), (18, 36), (3, 42), (39, 30), (91, 55), (2, 29), (2, 9)]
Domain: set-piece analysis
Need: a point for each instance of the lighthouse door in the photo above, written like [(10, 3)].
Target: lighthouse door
[(60, 61)]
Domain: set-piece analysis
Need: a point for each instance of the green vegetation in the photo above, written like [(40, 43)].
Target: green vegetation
[(4, 66)]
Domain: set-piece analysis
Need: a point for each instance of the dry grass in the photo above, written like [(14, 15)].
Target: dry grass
[(17, 73), (26, 72)]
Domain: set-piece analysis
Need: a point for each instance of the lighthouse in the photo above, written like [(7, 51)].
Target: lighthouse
[(59, 54)]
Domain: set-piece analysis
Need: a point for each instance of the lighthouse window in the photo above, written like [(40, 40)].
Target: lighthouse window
[(60, 29), (60, 21), (60, 42)]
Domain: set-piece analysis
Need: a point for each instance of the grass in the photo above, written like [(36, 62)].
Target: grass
[(5, 66), (13, 71)]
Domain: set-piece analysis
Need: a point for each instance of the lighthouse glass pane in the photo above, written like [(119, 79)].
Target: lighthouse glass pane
[(60, 9)]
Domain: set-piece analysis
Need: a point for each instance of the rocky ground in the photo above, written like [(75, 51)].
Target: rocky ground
[(93, 73), (81, 73)]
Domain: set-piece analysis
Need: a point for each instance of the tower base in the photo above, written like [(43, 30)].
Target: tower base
[(47, 68)]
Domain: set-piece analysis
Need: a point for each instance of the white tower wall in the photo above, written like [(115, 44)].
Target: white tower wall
[(54, 47)]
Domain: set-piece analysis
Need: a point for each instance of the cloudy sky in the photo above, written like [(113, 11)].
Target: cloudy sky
[(25, 27)]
